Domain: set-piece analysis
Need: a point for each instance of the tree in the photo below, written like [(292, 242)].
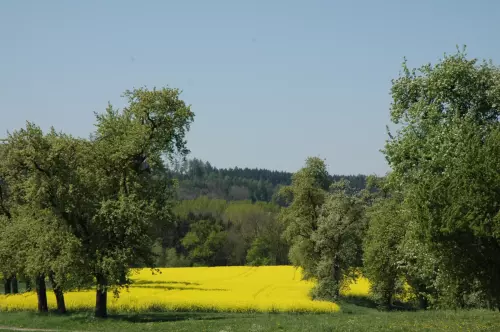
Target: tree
[(128, 144), (198, 178), (250, 220), (100, 187), (259, 253), (324, 225), (9, 278), (338, 240), (162, 190), (10, 259), (205, 241), (446, 156), (242, 221), (381, 254), (50, 251), (307, 192)]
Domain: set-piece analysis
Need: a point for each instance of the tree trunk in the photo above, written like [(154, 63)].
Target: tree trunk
[(58, 292), (41, 292), (61, 305), (101, 298), (15, 285), (337, 277), (423, 303), (387, 305), (7, 284)]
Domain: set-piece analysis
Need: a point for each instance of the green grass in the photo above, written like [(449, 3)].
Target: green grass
[(352, 318)]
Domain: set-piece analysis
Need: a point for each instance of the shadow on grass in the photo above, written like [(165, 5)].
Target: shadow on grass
[(359, 304), (360, 301), (401, 306), (153, 317), (167, 317)]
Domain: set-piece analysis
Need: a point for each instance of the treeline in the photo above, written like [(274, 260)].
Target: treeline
[(216, 232), (427, 234), (198, 178), (228, 216)]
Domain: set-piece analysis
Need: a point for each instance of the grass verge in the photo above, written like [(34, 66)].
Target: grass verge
[(352, 318)]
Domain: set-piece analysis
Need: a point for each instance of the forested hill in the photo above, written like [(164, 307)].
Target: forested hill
[(198, 178)]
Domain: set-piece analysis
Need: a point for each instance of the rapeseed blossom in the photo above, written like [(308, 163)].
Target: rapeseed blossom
[(228, 289)]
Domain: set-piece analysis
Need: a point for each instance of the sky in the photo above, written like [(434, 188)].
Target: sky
[(270, 82)]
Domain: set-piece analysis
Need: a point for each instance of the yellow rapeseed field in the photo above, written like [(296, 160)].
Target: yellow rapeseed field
[(231, 289)]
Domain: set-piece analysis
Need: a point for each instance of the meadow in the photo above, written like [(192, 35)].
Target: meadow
[(349, 318), (203, 289)]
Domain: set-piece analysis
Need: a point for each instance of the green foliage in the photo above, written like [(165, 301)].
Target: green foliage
[(198, 178), (250, 220), (122, 240), (173, 259), (445, 157), (242, 222), (34, 243), (111, 192), (338, 240), (168, 257), (309, 190), (324, 225), (237, 198), (259, 253), (88, 210), (204, 242), (50, 249), (202, 206), (382, 244)]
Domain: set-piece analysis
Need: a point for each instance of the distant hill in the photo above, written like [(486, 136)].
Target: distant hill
[(198, 178)]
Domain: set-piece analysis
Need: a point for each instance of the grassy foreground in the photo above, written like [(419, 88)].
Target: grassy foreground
[(352, 318)]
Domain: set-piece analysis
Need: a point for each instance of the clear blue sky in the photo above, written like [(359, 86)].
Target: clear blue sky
[(271, 82)]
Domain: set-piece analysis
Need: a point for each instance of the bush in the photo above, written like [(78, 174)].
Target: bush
[(259, 253), (173, 259)]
